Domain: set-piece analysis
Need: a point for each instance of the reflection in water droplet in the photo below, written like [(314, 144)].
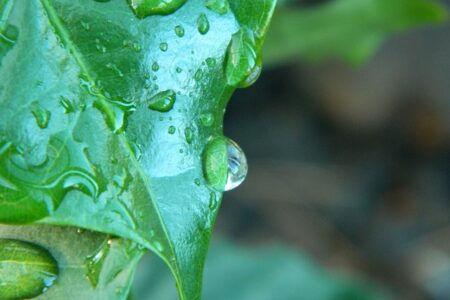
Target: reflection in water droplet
[(203, 24), (219, 6), (241, 57), (224, 164), (179, 31), (163, 101), (254, 74), (144, 8), (163, 47), (26, 270), (41, 115)]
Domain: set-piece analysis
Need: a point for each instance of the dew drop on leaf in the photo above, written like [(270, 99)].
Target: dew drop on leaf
[(241, 57), (203, 24), (224, 164), (212, 201), (218, 6), (163, 101), (211, 62), (179, 30), (26, 270), (41, 115), (207, 119), (8, 38), (163, 46), (188, 134), (144, 8), (172, 130), (94, 262), (254, 74), (155, 66)]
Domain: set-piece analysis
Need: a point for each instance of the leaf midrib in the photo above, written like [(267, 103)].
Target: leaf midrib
[(65, 37)]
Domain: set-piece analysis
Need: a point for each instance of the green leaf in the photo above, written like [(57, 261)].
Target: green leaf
[(75, 252), (104, 117), (351, 30)]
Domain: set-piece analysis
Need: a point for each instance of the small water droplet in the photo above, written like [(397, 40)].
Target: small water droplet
[(207, 119), (179, 30), (224, 164), (197, 181), (188, 134), (41, 115), (172, 130), (27, 270), (155, 66), (198, 75), (144, 8), (163, 101), (211, 62), (179, 70), (203, 24), (218, 6), (164, 46), (212, 201)]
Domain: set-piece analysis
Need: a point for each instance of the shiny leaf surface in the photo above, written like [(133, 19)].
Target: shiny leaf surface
[(105, 112)]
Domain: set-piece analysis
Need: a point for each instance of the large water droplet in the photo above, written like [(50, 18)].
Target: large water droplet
[(41, 115), (144, 8), (218, 6), (94, 262), (241, 57), (203, 24), (163, 101), (26, 270), (254, 74), (224, 164)]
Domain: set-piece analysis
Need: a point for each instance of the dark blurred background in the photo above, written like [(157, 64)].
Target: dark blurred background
[(350, 164)]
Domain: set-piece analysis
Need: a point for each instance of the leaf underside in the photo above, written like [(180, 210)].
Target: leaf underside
[(79, 145)]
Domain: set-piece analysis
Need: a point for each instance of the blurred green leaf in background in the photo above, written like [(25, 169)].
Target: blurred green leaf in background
[(351, 30), (256, 273)]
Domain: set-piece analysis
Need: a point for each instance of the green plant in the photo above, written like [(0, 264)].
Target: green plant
[(111, 137)]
